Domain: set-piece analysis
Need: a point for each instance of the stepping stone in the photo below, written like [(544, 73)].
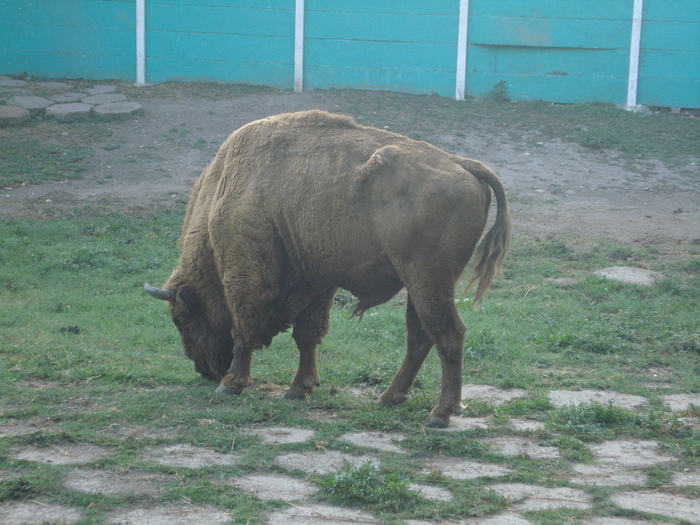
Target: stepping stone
[(64, 98), (463, 469), (111, 483), (104, 98), (560, 398), (171, 515), (630, 454), (491, 394), (606, 475), (281, 435), (23, 429), (98, 90), (118, 109), (526, 425), (10, 82), (13, 115), (617, 521), (326, 462), (542, 498), (321, 515), (187, 456), (658, 503), (498, 519), (681, 402), (520, 446), (460, 424), (627, 274), (62, 454), (36, 513), (68, 112), (686, 479), (267, 487), (31, 103), (375, 440)]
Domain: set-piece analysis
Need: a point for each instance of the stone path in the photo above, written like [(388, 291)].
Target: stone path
[(64, 102), (618, 465)]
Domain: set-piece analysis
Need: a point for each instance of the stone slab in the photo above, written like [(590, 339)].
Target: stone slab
[(36, 513), (104, 88), (103, 98), (627, 274), (169, 515), (11, 82), (462, 469), (536, 497), (266, 487), (111, 483), (118, 109), (64, 98), (31, 103), (681, 402), (68, 112), (656, 503), (376, 440), (281, 435), (13, 115), (491, 394), (187, 456), (67, 454), (560, 398), (319, 514)]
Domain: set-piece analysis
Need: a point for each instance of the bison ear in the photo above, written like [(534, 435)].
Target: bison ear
[(187, 300)]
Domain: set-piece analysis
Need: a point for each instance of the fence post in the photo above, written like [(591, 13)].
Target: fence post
[(461, 79), (140, 42), (633, 77), (299, 46)]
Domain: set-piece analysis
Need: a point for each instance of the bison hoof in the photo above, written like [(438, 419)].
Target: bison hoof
[(437, 422), (389, 400), (223, 389), (294, 394)]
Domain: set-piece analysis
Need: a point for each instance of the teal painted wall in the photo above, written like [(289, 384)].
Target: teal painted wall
[(244, 41), (545, 49), (550, 50), (402, 45), (68, 38)]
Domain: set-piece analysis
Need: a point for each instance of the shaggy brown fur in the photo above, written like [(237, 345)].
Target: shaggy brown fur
[(297, 205)]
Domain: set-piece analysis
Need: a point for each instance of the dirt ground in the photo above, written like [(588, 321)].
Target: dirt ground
[(556, 188)]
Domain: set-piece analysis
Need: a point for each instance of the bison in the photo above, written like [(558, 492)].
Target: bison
[(297, 205)]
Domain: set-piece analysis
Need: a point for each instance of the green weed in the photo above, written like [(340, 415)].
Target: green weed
[(367, 486)]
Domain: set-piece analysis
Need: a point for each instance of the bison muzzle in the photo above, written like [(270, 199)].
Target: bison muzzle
[(297, 205)]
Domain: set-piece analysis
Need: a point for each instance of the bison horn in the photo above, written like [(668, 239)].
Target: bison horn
[(159, 293)]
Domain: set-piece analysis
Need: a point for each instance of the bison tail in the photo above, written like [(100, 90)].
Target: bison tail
[(494, 245)]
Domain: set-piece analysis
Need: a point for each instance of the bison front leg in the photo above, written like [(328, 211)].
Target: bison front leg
[(238, 376), (418, 344), (309, 329)]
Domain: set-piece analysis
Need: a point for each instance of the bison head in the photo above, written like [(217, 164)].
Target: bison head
[(206, 342)]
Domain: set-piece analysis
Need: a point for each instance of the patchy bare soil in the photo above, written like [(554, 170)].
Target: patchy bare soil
[(618, 465), (556, 188)]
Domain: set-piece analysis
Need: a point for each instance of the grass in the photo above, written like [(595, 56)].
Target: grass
[(88, 358), (122, 367)]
